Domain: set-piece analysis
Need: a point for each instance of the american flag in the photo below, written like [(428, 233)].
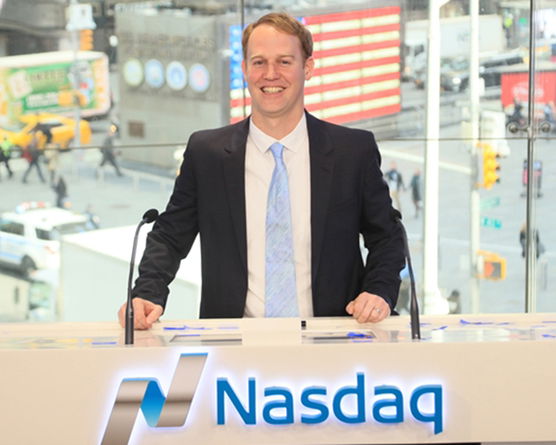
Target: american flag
[(357, 67)]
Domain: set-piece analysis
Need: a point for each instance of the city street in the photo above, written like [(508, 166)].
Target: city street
[(495, 296)]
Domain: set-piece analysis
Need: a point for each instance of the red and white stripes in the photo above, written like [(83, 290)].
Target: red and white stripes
[(357, 66)]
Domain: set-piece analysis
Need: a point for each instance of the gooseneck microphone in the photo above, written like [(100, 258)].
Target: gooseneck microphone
[(149, 217), (414, 305)]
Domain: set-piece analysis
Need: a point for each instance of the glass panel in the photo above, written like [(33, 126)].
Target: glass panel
[(160, 72), (543, 232), (478, 255)]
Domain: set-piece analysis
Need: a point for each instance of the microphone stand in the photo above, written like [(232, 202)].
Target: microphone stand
[(129, 315), (414, 305), (148, 217)]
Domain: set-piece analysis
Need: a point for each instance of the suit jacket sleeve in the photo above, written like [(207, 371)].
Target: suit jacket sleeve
[(381, 233), (172, 236)]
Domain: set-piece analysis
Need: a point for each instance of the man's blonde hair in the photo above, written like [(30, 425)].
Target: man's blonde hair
[(285, 23)]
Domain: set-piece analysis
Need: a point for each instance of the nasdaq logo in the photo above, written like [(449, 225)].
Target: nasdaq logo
[(318, 404), (145, 395), (254, 404)]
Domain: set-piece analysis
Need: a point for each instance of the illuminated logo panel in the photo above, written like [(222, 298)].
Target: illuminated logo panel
[(319, 404), (252, 403), (146, 395)]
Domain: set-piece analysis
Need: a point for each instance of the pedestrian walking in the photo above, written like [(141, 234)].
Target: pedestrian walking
[(416, 191), (107, 150), (395, 184), (61, 191), (539, 246), (50, 152), (5, 154), (51, 156), (33, 154), (454, 302), (548, 111)]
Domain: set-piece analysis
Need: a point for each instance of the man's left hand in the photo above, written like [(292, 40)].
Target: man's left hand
[(368, 307)]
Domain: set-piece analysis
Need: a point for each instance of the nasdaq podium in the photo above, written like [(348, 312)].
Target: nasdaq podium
[(489, 378)]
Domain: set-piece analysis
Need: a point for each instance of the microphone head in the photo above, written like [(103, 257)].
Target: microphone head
[(396, 214), (150, 216)]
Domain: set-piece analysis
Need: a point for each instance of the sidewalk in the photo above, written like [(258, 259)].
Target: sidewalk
[(116, 200)]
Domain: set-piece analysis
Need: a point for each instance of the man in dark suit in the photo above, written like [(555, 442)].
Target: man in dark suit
[(335, 187)]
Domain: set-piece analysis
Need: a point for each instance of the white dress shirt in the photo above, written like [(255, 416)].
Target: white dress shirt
[(259, 165)]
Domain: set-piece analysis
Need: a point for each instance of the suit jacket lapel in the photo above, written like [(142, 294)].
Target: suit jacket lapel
[(322, 166), (234, 176)]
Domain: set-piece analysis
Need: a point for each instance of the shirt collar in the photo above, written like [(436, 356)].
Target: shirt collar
[(291, 141)]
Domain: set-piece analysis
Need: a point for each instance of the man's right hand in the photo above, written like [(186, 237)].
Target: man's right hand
[(145, 313)]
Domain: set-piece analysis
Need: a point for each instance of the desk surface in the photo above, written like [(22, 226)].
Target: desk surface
[(341, 330), (495, 375)]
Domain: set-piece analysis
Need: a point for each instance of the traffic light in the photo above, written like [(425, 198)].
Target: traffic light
[(491, 265), (86, 40), (491, 167)]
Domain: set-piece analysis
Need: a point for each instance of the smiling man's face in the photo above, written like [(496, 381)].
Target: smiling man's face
[(276, 73)]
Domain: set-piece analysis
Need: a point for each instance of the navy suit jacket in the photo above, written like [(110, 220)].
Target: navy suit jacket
[(348, 198)]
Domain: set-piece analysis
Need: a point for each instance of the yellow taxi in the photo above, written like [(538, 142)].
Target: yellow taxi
[(57, 130)]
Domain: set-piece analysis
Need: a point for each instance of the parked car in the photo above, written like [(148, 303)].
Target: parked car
[(454, 71), (60, 130), (448, 66), (30, 235), (491, 68)]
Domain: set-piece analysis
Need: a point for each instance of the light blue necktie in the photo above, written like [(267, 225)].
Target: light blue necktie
[(280, 294)]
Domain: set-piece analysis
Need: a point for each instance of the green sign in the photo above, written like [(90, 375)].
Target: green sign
[(490, 203), (493, 223)]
